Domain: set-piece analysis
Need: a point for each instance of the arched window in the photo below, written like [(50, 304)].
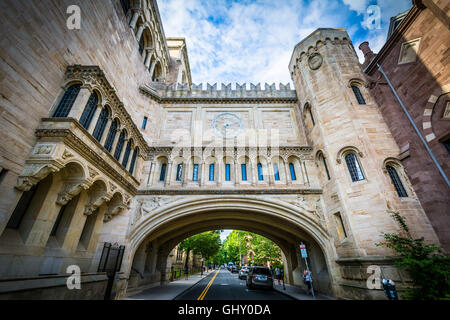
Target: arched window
[(260, 172), (133, 160), (179, 171), (358, 95), (211, 172), (227, 172), (101, 124), (67, 101), (141, 44), (125, 5), (292, 170), (111, 135), (119, 146), (276, 172), (162, 174), (326, 167), (396, 181), (354, 167), (127, 153), (89, 110), (195, 172)]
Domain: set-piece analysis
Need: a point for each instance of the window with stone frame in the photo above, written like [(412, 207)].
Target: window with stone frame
[(66, 103), (396, 181), (358, 94), (354, 167), (342, 233)]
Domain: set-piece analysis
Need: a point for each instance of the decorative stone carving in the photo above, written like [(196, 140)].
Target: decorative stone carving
[(92, 173), (93, 205), (315, 61), (66, 154), (33, 173), (43, 149), (70, 191)]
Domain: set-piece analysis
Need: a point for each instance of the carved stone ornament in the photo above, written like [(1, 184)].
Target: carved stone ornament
[(315, 61), (32, 174), (66, 154), (43, 149)]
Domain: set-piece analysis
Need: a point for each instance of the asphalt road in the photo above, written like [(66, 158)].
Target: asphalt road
[(227, 286)]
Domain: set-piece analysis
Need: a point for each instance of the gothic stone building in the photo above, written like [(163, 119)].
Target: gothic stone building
[(105, 139)]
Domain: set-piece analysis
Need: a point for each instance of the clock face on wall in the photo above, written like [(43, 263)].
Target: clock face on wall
[(227, 125)]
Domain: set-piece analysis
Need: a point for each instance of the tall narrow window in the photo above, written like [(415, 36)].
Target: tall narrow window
[(326, 167), (89, 110), (101, 124), (133, 160), (227, 172), (125, 5), (119, 146), (58, 220), (21, 208), (276, 173), (353, 167), (111, 135), (342, 234), (144, 123), (292, 169), (162, 174), (312, 118), (141, 44), (195, 172), (67, 101), (358, 95), (244, 171), (211, 172), (126, 156), (396, 181), (260, 172), (179, 171)]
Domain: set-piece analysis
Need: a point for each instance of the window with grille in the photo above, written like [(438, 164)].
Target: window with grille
[(126, 156), (396, 181), (260, 172), (276, 172), (195, 172), (89, 111), (227, 172), (244, 171), (66, 103), (179, 171), (358, 95), (119, 146), (292, 170), (162, 174), (354, 167), (101, 124), (133, 160), (211, 172), (111, 135)]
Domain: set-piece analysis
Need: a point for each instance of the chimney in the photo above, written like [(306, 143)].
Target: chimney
[(368, 53)]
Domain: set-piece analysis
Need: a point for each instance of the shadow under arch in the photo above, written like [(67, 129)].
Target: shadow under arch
[(154, 237)]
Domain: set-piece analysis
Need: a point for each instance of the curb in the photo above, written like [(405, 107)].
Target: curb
[(188, 288), (286, 294)]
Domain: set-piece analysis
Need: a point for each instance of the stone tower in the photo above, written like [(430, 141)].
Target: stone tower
[(354, 151)]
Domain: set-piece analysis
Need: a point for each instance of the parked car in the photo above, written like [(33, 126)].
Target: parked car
[(259, 277), (234, 269), (243, 273)]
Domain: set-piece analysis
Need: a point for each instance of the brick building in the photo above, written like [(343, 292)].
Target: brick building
[(415, 58)]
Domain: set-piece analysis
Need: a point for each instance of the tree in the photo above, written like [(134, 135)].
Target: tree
[(426, 263), (206, 244)]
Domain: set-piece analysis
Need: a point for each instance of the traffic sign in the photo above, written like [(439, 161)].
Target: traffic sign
[(302, 246), (304, 254)]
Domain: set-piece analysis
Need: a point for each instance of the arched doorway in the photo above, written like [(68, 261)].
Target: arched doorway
[(154, 235)]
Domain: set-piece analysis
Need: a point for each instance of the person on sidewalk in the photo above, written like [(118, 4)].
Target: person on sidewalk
[(307, 276), (278, 274), (186, 272)]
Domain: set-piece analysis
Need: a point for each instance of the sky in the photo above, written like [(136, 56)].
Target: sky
[(224, 234), (252, 41)]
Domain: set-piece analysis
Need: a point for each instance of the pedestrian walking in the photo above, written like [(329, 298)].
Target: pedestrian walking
[(307, 276), (278, 274), (186, 272)]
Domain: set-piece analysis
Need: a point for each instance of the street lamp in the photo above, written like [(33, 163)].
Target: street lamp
[(201, 274)]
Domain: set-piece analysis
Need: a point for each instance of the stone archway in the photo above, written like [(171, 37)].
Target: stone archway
[(153, 235)]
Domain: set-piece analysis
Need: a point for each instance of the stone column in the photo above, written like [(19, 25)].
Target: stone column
[(97, 228), (114, 144), (168, 174), (152, 68), (79, 103), (203, 169), (139, 32), (184, 174), (236, 172), (148, 58), (305, 173), (270, 172), (287, 171), (254, 174), (94, 120), (134, 19), (106, 131), (220, 173)]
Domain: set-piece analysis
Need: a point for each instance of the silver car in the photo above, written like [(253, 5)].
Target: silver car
[(259, 277), (243, 273)]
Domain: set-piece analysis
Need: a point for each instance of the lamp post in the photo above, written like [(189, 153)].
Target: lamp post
[(201, 274)]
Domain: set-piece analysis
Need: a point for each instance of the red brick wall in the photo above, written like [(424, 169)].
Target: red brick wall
[(415, 82)]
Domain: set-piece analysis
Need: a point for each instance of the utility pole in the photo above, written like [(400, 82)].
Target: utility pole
[(240, 256)]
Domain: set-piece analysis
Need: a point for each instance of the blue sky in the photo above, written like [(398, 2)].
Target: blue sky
[(252, 41)]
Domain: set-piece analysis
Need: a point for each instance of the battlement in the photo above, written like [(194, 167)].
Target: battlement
[(163, 92)]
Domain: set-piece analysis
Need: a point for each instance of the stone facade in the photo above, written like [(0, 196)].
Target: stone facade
[(415, 58), (308, 164)]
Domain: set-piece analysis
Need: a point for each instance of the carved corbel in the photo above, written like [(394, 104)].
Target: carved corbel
[(69, 192), (112, 211), (33, 173), (92, 206)]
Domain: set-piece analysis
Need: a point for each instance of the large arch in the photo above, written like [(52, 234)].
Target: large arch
[(154, 236)]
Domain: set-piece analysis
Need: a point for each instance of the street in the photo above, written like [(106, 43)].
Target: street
[(224, 285)]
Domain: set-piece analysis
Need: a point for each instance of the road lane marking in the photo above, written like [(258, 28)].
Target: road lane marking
[(202, 295)]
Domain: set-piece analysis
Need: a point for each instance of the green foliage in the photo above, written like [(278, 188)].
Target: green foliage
[(246, 243), (206, 244), (427, 265)]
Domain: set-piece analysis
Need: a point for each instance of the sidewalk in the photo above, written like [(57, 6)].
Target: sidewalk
[(298, 293), (168, 291)]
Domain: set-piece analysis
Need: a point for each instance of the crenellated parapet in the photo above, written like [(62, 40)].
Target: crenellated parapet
[(197, 92)]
